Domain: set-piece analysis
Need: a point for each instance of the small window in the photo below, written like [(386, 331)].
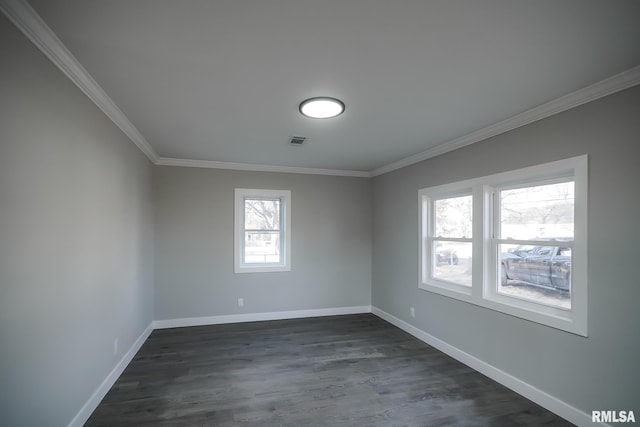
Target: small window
[(262, 230)]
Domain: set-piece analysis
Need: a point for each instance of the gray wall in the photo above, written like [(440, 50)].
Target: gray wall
[(76, 240), (77, 247), (330, 244), (598, 372)]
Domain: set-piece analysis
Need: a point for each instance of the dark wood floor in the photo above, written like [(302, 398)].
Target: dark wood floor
[(331, 371)]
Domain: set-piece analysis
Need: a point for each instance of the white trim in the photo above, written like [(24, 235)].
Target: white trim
[(35, 29), (239, 266), (598, 90), (426, 231), (33, 26), (92, 403), (87, 409), (481, 292), (575, 319), (164, 161), (532, 393), (259, 317)]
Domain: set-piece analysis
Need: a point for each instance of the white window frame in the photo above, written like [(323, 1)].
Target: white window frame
[(241, 194), (428, 197), (483, 290)]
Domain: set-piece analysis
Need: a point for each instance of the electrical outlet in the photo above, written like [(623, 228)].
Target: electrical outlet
[(240, 302), (413, 312), (115, 346)]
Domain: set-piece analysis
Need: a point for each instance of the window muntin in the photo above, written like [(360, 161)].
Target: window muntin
[(262, 230), (537, 214)]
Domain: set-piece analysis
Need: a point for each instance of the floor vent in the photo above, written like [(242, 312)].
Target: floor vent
[(297, 140)]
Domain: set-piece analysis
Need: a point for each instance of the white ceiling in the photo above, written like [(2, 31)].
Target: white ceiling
[(221, 80)]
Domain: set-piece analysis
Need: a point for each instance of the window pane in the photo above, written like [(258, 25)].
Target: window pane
[(541, 274), (543, 211), (452, 262), (453, 217), (261, 247), (262, 214)]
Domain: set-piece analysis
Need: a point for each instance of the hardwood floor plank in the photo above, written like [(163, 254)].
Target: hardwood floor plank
[(355, 370)]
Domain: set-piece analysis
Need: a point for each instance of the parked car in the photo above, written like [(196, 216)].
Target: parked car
[(446, 256), (546, 266)]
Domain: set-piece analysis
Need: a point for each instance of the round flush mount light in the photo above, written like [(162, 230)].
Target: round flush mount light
[(321, 107)]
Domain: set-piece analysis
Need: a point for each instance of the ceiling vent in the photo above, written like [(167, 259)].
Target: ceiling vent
[(297, 140)]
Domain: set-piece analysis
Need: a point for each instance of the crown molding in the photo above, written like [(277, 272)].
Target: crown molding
[(31, 24), (598, 90), (164, 161)]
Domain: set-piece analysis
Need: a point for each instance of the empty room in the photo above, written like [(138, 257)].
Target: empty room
[(329, 213)]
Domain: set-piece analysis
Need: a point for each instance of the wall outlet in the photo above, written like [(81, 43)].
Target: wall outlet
[(412, 311), (240, 302), (115, 346)]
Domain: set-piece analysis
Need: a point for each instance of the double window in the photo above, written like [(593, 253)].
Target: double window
[(514, 242), (262, 230)]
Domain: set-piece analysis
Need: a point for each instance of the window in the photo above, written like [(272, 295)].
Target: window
[(262, 230), (533, 242), (449, 231), (513, 242)]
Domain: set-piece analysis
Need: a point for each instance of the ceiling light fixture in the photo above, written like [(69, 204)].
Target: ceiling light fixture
[(321, 108)]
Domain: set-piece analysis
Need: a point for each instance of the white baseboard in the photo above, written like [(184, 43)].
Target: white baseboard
[(532, 393), (85, 412), (87, 409), (257, 317)]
